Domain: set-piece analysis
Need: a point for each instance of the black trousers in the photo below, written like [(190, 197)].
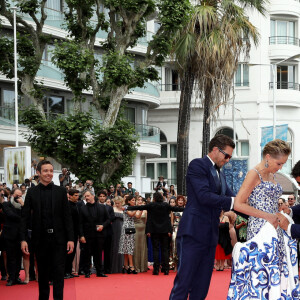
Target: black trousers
[(69, 260), (14, 256), (107, 253), (93, 247), (162, 240), (51, 259)]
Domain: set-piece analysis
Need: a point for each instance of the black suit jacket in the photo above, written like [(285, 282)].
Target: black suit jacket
[(62, 220), (12, 222), (112, 217), (158, 217), (87, 223)]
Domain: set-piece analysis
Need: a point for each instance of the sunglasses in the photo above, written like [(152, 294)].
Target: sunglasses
[(279, 204), (290, 198), (225, 154)]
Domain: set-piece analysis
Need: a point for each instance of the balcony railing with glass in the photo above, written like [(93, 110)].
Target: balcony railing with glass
[(147, 133), (284, 40), (284, 85), (7, 116)]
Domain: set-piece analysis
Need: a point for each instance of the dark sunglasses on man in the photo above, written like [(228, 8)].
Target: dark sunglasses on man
[(225, 154)]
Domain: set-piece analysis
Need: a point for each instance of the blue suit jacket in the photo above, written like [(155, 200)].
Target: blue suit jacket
[(200, 218), (295, 228)]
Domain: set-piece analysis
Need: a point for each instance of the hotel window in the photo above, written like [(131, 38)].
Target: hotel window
[(283, 32), (242, 75)]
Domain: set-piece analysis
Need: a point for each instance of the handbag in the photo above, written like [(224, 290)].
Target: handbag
[(129, 230)]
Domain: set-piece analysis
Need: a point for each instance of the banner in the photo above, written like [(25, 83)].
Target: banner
[(17, 164), (267, 134)]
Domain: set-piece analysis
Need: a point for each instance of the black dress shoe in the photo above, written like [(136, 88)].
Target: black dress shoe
[(10, 283), (74, 275), (166, 272), (3, 278), (19, 281), (155, 272), (67, 276), (81, 273), (87, 275), (31, 278), (101, 275)]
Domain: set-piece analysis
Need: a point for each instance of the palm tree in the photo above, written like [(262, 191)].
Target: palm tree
[(207, 52)]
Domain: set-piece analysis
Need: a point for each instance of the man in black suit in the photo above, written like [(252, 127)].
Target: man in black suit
[(74, 208), (93, 219), (10, 234), (159, 227), (108, 231), (52, 230)]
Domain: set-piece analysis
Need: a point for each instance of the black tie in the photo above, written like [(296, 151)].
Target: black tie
[(217, 168), (219, 176)]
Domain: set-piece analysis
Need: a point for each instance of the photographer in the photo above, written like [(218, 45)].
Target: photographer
[(64, 178), (88, 187), (10, 234), (162, 186)]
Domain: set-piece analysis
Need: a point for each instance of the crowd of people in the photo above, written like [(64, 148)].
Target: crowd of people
[(115, 230), (70, 230)]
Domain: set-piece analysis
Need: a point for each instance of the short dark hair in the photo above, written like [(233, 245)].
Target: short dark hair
[(129, 183), (157, 197), (101, 192), (296, 170), (41, 163), (220, 141), (73, 191)]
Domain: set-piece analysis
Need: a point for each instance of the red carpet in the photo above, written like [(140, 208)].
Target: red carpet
[(117, 287)]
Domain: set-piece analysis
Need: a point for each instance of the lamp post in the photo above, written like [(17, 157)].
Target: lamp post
[(274, 65), (16, 78)]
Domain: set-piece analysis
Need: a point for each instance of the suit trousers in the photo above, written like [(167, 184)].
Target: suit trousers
[(195, 267), (162, 240), (14, 257), (93, 247), (69, 259), (51, 259)]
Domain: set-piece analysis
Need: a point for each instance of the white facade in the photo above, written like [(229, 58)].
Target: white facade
[(280, 32), (157, 104)]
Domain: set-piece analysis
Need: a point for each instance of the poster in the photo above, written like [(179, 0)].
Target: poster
[(17, 164)]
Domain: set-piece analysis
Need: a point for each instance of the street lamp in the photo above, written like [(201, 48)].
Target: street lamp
[(274, 65), (16, 77)]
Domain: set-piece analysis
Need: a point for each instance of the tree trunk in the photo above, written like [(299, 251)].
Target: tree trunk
[(206, 123), (27, 88), (183, 131), (116, 98)]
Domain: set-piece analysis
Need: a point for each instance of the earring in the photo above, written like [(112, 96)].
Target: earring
[(266, 164)]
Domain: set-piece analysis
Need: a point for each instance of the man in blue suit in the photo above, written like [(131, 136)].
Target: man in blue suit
[(292, 229), (197, 237)]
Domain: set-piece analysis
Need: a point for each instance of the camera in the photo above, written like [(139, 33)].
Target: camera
[(16, 199), (88, 185), (68, 173)]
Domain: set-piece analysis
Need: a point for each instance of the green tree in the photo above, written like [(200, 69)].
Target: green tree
[(110, 78), (207, 52)]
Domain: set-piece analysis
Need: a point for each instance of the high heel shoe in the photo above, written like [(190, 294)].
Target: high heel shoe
[(125, 270), (131, 270)]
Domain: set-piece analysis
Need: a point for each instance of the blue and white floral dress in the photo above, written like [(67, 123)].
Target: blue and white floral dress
[(265, 267)]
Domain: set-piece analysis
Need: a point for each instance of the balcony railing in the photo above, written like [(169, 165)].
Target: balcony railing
[(284, 40), (169, 87), (148, 133), (284, 85)]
